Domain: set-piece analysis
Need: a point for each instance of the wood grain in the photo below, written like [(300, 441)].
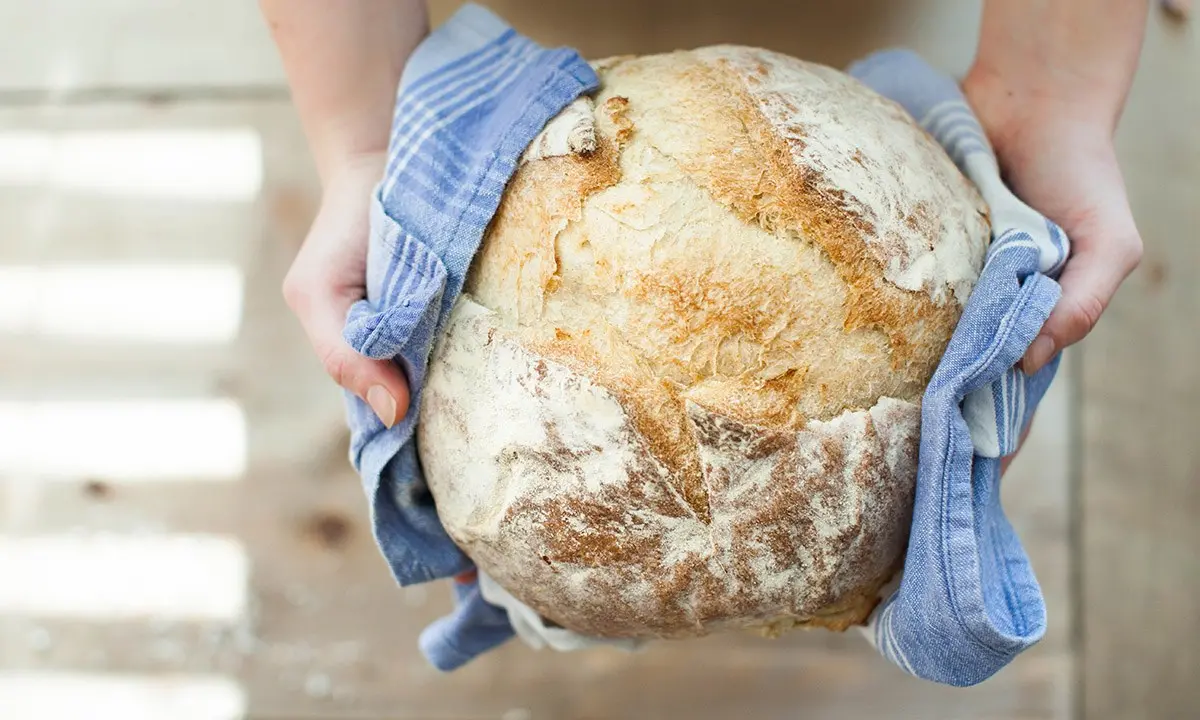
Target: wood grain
[(1140, 463)]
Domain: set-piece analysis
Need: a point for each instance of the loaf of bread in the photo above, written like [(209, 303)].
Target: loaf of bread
[(681, 391)]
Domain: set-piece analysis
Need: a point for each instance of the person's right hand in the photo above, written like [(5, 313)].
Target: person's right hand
[(328, 275)]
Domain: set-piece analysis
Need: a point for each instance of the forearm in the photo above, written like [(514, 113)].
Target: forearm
[(343, 61), (1076, 54)]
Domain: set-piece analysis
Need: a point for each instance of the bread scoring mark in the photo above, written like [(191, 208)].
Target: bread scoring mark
[(521, 259), (582, 523), (654, 406)]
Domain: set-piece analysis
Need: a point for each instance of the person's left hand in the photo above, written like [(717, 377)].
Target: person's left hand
[(1061, 160), (328, 276)]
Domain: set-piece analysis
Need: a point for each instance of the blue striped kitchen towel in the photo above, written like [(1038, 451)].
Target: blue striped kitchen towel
[(968, 601), (473, 96)]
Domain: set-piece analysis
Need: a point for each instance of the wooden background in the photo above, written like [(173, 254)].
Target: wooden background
[(1105, 496)]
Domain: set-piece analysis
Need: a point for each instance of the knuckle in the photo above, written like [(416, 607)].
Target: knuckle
[(294, 292), (1132, 253), (1088, 308)]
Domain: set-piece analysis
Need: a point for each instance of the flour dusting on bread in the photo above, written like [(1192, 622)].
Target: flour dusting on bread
[(681, 391)]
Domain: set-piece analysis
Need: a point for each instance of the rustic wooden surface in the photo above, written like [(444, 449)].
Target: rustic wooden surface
[(1139, 463), (327, 634)]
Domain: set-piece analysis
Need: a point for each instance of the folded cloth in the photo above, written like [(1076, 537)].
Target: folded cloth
[(477, 625), (968, 602), (473, 96)]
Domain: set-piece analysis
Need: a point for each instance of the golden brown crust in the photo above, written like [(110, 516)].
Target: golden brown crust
[(704, 271), (744, 163)]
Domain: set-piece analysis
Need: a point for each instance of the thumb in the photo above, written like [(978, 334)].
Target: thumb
[(379, 383)]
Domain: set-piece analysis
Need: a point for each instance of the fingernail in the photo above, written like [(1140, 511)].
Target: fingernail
[(384, 405), (1038, 354)]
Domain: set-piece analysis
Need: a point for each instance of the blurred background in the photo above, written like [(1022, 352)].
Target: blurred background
[(181, 535)]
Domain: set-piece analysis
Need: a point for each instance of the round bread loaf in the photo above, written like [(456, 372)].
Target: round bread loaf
[(681, 391)]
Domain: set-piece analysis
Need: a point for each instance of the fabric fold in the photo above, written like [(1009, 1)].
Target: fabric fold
[(968, 602), (471, 98)]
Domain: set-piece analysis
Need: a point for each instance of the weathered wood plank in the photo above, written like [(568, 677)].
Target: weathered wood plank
[(72, 45), (1140, 472), (45, 219)]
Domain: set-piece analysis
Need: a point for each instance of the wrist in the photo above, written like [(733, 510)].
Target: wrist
[(353, 164), (351, 177), (352, 169), (1070, 60), (1088, 101), (344, 148), (1011, 108)]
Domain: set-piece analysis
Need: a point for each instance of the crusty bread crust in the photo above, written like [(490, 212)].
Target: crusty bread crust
[(681, 392)]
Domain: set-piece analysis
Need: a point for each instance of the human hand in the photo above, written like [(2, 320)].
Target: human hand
[(328, 275), (1059, 158)]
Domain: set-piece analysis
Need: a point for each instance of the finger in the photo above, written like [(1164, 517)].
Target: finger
[(322, 313), (1089, 281)]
